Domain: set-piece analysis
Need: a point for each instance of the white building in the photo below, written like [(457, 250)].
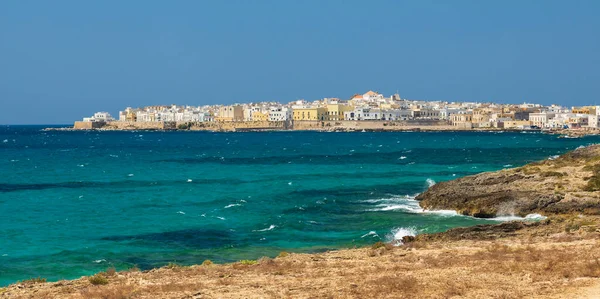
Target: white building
[(99, 117), (541, 119), (594, 121), (280, 114), (368, 113)]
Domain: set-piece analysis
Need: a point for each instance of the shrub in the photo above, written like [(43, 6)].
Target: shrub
[(184, 126), (594, 181), (283, 254), (98, 279), (172, 265), (593, 184), (134, 269), (572, 227), (248, 262), (34, 280), (552, 174), (207, 263)]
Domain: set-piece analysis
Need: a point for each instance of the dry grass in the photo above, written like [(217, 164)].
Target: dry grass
[(114, 292), (110, 272), (33, 281)]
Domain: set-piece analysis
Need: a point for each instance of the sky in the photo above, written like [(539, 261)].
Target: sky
[(63, 60)]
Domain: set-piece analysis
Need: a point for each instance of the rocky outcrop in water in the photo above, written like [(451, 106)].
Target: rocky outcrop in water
[(564, 185)]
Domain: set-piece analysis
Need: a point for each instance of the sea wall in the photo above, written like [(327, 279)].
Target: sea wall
[(374, 125), (193, 126), (431, 125), (233, 126), (130, 125), (87, 125)]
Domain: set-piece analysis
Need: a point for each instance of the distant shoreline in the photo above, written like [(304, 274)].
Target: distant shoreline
[(432, 129)]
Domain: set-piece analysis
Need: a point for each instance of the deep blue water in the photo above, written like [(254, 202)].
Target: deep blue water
[(75, 203)]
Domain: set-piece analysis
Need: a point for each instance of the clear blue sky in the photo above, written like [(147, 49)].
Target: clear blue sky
[(62, 60)]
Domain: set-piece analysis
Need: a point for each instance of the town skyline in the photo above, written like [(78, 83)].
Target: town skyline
[(370, 110)]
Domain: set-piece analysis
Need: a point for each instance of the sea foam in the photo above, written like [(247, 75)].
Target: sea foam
[(406, 203), (430, 182), (272, 226), (396, 235), (529, 217)]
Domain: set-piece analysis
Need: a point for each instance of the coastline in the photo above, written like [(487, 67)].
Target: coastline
[(546, 259), (315, 126)]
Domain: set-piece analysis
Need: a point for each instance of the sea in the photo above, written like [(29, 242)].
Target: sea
[(74, 203)]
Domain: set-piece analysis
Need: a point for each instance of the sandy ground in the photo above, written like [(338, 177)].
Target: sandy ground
[(546, 261)]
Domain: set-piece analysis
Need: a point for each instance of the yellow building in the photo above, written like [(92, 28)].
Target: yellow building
[(515, 124), (310, 114), (462, 120), (259, 116), (131, 116), (336, 111), (481, 115), (230, 113), (584, 110)]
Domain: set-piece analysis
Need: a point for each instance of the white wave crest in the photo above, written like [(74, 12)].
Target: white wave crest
[(371, 233), (529, 217), (232, 205), (405, 203), (395, 237), (272, 226), (430, 182)]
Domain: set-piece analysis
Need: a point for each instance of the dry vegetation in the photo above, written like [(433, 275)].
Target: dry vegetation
[(556, 259)]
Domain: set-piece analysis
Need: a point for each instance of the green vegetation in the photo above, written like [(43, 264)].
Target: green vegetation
[(283, 254), (98, 279), (184, 126), (248, 262), (172, 265), (207, 263), (552, 174), (594, 181)]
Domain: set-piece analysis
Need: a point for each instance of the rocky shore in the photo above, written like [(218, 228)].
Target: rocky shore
[(558, 257), (563, 185)]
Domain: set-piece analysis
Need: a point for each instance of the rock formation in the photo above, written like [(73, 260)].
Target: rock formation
[(563, 185)]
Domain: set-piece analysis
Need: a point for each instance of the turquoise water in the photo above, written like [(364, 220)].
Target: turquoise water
[(75, 203)]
